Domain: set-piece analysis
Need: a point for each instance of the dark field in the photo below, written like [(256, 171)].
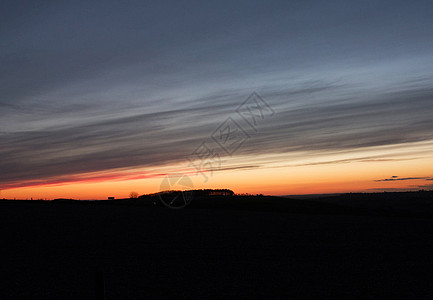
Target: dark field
[(296, 249)]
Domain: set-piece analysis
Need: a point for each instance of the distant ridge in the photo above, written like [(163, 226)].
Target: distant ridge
[(198, 192), (311, 196), (63, 200), (396, 204)]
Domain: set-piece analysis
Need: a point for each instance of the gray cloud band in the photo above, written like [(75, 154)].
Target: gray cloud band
[(159, 138), (230, 136)]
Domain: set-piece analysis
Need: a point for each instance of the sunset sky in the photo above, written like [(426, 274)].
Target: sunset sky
[(100, 99)]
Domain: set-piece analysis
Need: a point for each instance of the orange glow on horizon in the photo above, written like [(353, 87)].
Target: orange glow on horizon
[(283, 181), (270, 175)]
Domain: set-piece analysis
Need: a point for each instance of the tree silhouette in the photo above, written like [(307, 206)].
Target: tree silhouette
[(133, 195)]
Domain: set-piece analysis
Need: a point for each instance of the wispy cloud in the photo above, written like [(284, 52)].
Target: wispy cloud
[(169, 136), (385, 189), (426, 186), (136, 86), (396, 178)]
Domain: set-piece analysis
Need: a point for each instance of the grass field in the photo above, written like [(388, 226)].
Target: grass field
[(53, 250)]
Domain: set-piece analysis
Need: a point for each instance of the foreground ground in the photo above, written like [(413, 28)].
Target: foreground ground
[(52, 251)]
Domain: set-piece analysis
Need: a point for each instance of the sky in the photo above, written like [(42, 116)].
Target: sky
[(103, 98)]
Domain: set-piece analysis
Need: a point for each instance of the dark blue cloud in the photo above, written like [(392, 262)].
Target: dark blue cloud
[(394, 178)]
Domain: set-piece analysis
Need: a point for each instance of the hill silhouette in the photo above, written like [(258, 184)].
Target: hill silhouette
[(394, 204)]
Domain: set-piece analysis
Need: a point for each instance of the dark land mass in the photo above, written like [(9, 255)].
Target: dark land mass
[(251, 247)]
